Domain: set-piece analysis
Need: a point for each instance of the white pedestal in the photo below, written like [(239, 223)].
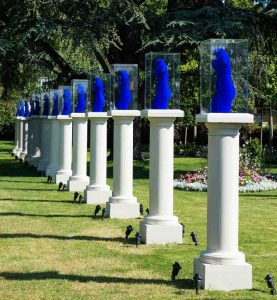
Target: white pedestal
[(98, 192), (79, 179), (35, 141), (25, 140), (30, 141), (44, 143), (16, 134), (53, 165), (123, 204), (65, 149), (161, 226), (20, 136), (222, 266)]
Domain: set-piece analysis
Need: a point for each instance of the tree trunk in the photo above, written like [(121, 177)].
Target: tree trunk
[(186, 135), (270, 126)]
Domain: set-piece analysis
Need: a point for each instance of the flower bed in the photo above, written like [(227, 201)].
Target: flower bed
[(249, 181)]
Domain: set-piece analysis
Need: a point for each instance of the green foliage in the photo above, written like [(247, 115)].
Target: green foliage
[(7, 110)]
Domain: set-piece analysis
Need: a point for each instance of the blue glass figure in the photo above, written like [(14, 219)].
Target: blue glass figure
[(99, 97), (66, 102), (45, 105), (125, 96), (36, 106), (55, 110), (81, 99), (22, 108), (163, 92), (225, 91), (27, 109)]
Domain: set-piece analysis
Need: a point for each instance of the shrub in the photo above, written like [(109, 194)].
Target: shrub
[(7, 109)]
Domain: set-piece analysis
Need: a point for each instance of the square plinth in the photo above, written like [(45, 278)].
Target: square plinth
[(232, 118), (78, 185), (97, 196), (123, 210), (62, 177), (224, 277), (161, 233)]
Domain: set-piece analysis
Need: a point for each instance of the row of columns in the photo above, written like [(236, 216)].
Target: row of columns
[(221, 266)]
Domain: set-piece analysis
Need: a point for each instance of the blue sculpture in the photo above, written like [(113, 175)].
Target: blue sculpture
[(99, 97), (36, 106), (163, 92), (55, 110), (225, 91), (81, 99), (21, 108), (27, 109), (125, 96), (66, 102), (45, 105), (17, 109)]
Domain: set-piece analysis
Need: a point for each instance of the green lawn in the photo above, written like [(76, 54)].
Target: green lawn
[(53, 249)]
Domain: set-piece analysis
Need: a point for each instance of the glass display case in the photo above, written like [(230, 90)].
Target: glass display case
[(80, 94), (223, 76), (46, 103), (162, 80), (65, 106), (100, 98), (36, 104), (124, 86), (54, 102)]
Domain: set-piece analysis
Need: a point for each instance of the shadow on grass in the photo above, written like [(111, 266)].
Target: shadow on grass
[(140, 170), (33, 200), (60, 237), (180, 283), (19, 214)]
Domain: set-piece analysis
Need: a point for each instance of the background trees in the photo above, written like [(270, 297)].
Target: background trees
[(71, 38)]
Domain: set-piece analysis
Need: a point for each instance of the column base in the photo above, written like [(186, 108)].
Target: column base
[(78, 184), (224, 277), (14, 151), (63, 176), (23, 156), (161, 233), (42, 165), (123, 210), (18, 152), (51, 171), (34, 161), (97, 195)]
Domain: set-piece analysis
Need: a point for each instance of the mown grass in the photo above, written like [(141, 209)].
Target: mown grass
[(53, 249)]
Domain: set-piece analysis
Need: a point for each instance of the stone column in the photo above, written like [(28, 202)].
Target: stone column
[(25, 140), (79, 179), (98, 192), (161, 226), (54, 154), (16, 130), (65, 149), (44, 144), (20, 137), (222, 266), (35, 141), (30, 141), (123, 204)]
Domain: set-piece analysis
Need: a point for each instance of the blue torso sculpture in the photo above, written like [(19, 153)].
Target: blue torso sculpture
[(66, 102), (55, 110), (163, 92), (46, 105), (224, 87), (27, 110), (125, 96), (99, 97), (36, 106), (22, 108), (81, 99)]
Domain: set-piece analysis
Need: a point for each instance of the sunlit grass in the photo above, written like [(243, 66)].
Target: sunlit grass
[(53, 249)]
